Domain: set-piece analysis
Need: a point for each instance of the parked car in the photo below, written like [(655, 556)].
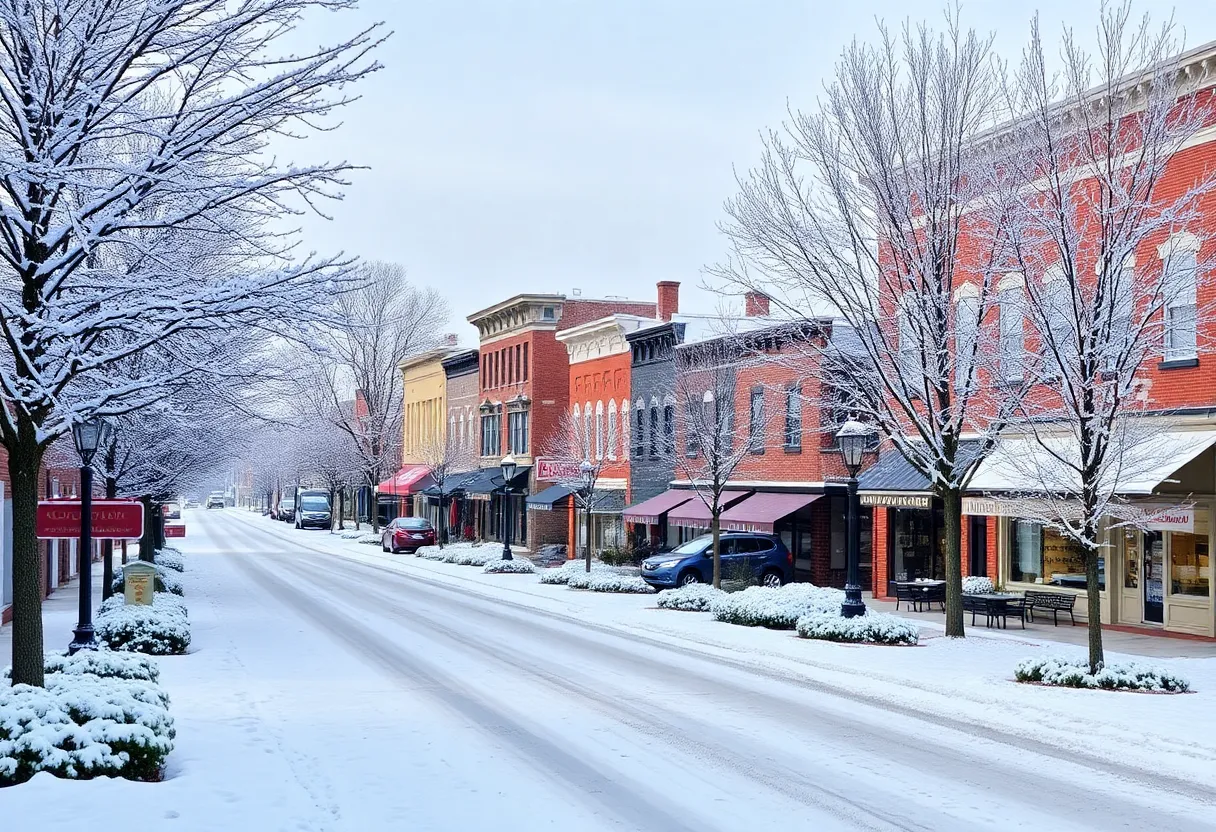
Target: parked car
[(215, 499), (761, 557), (287, 510), (407, 534), (172, 511), (191, 503), (313, 509)]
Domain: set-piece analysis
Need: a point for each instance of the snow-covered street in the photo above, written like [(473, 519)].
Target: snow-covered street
[(325, 691)]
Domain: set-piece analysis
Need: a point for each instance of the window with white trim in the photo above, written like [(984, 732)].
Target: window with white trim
[(1012, 334), (612, 430), (966, 334), (599, 430), (1179, 285)]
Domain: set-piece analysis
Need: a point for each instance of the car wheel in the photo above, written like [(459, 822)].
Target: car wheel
[(689, 577), (772, 578), (383, 546)]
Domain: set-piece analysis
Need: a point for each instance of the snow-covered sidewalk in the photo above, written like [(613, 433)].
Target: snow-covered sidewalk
[(967, 680)]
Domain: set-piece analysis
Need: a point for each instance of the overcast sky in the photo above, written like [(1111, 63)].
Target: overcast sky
[(553, 146)]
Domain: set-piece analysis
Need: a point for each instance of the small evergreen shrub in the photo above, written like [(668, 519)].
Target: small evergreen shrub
[(871, 628), (1074, 673), (159, 629), (521, 566), (689, 598), (776, 608)]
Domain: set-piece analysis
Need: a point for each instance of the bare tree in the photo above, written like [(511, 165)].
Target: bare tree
[(578, 456), (438, 454), (359, 387), (703, 407), (858, 209), (1111, 264)]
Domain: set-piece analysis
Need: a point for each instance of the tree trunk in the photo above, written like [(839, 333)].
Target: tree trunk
[(333, 504), (441, 532), (147, 543), (715, 526), (952, 503), (158, 528), (24, 461), (1093, 609), (107, 548)]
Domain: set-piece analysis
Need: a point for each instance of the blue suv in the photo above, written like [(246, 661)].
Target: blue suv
[(762, 556)]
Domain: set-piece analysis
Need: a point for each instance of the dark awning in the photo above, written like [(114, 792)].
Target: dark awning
[(652, 510), (489, 480), (545, 500), (893, 472), (759, 512)]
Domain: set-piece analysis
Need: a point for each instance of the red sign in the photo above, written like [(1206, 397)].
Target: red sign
[(175, 530), (117, 519), (549, 470)]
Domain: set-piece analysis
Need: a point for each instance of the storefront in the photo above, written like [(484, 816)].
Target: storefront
[(693, 518), (648, 520), (490, 506), (395, 495)]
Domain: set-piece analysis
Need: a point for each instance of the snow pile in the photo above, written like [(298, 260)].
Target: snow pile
[(169, 558), (690, 598), (369, 538), (975, 585), (777, 608), (167, 580), (104, 662), (572, 568), (1074, 673), (615, 582), (467, 554), (521, 566), (159, 629), (871, 628), (90, 720), (351, 535), (580, 578)]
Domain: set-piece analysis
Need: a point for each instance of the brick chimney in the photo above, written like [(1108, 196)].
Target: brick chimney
[(755, 304), (669, 299)]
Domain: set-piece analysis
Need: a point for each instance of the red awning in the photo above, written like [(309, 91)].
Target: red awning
[(650, 511), (404, 481), (695, 513), (759, 512)]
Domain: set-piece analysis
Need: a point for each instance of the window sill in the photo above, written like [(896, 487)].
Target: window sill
[(1178, 363), (792, 449), (756, 451)]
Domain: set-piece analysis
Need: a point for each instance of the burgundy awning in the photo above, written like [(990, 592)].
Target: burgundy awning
[(650, 511), (404, 482), (761, 511), (695, 513)]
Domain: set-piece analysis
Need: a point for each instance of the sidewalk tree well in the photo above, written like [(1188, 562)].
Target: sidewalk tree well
[(1106, 223), (140, 204), (854, 214)]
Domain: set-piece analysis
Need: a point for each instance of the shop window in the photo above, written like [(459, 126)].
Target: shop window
[(1190, 564), (1042, 555)]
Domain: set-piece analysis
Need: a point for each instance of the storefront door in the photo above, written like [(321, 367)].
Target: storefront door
[(1131, 596), (1154, 577)]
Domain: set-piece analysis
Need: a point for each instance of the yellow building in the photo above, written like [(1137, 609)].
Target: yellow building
[(424, 386)]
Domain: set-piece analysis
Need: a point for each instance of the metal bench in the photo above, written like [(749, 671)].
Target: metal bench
[(1055, 602)]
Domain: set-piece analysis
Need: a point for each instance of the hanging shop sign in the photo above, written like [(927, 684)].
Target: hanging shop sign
[(1172, 520), (895, 499), (551, 470)]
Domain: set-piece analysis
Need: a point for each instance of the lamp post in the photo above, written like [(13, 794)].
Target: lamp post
[(88, 435), (853, 437), (508, 467), (586, 472)]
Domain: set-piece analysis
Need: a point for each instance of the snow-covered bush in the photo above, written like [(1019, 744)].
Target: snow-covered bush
[(690, 598), (976, 585), (159, 629), (93, 718), (369, 539), (473, 555), (351, 534), (777, 608), (871, 628), (1074, 673), (169, 558), (613, 582), (166, 581), (555, 576), (521, 566)]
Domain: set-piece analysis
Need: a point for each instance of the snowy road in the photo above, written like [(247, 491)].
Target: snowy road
[(489, 713), (323, 693)]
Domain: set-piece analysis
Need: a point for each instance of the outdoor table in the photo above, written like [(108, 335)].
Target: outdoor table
[(930, 589), (996, 603)]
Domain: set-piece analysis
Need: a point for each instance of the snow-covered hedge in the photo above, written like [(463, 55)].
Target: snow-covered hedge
[(169, 558), (690, 598), (1074, 673), (159, 629), (519, 565), (778, 608), (104, 662), (871, 628), (473, 555), (975, 585), (369, 538), (86, 724), (610, 582), (166, 580), (580, 578)]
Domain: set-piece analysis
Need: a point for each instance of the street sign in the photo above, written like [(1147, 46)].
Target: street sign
[(138, 582), (175, 530), (116, 519)]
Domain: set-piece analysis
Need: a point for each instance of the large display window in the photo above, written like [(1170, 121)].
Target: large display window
[(1042, 555), (1190, 562)]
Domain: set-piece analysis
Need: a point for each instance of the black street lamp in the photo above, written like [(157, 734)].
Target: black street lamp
[(586, 473), (508, 467), (853, 437), (88, 435)]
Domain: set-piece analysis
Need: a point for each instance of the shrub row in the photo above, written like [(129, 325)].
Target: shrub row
[(690, 598), (777, 608), (871, 628), (518, 565), (1074, 673)]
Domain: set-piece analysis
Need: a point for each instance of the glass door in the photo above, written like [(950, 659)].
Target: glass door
[(1153, 577)]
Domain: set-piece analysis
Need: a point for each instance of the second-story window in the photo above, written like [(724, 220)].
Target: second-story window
[(669, 428), (755, 429), (654, 427), (793, 417), (966, 332), (639, 430), (1012, 329), (599, 430), (613, 437), (1179, 287), (517, 431), (491, 431)]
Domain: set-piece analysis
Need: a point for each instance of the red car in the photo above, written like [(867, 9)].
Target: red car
[(407, 534)]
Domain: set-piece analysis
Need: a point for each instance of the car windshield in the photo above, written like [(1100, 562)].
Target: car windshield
[(414, 523), (314, 503), (692, 547), (289, 504)]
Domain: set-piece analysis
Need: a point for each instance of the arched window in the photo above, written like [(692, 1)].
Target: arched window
[(639, 428), (587, 430), (654, 426), (599, 430), (669, 425), (612, 431), (577, 429), (625, 428)]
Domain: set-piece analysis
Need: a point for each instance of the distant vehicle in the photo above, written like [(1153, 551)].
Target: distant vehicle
[(172, 511), (287, 510), (215, 499), (407, 534), (312, 509), (761, 556), (191, 503)]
